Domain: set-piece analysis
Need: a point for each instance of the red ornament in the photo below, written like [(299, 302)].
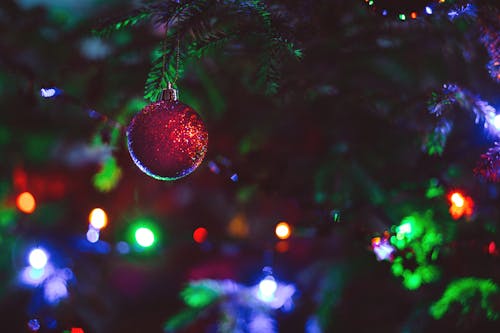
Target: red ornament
[(167, 140)]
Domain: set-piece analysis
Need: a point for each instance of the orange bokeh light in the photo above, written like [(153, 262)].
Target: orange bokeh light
[(283, 230), (26, 202), (98, 218), (460, 205), (376, 241)]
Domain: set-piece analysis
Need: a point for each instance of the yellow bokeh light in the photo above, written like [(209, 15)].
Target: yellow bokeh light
[(98, 218), (26, 202), (283, 230), (457, 199)]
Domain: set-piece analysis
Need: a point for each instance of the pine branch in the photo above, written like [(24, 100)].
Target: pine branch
[(128, 20), (488, 166), (192, 23), (180, 21), (440, 105), (156, 80), (207, 43), (270, 64)]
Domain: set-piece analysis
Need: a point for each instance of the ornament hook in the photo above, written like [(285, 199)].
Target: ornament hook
[(169, 94)]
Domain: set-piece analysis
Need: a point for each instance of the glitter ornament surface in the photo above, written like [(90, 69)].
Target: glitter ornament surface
[(167, 140)]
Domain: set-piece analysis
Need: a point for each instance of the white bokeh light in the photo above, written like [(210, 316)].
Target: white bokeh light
[(38, 258), (144, 237), (267, 288)]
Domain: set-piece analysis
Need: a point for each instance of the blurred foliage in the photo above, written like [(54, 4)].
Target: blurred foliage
[(342, 131), (463, 291)]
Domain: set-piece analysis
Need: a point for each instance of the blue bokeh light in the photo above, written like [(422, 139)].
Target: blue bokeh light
[(55, 289), (496, 122), (92, 235)]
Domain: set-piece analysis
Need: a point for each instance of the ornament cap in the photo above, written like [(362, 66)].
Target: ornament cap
[(169, 94)]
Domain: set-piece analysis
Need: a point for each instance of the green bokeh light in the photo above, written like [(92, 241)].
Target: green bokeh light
[(434, 190), (145, 234), (463, 291), (418, 239), (108, 176)]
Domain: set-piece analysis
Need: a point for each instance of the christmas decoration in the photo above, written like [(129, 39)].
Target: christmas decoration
[(382, 248), (144, 237), (283, 230), (167, 140), (98, 218), (26, 202), (336, 152), (200, 235), (460, 205), (417, 240), (38, 258), (238, 306), (403, 9)]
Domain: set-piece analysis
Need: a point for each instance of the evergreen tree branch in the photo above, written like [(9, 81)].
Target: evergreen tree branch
[(129, 20)]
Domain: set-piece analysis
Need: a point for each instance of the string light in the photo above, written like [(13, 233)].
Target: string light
[(460, 205), (457, 199), (274, 293), (34, 325), (402, 9), (144, 237), (283, 230), (200, 235), (92, 235), (122, 247), (98, 218), (38, 258), (496, 122), (50, 92), (382, 248), (492, 248), (26, 203), (267, 288)]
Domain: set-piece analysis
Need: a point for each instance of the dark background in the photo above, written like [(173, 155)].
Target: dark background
[(344, 132)]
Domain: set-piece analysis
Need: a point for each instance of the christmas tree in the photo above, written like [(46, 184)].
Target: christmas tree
[(249, 166)]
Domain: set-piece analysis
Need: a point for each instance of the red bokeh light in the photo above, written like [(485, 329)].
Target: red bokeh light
[(492, 248), (200, 235)]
